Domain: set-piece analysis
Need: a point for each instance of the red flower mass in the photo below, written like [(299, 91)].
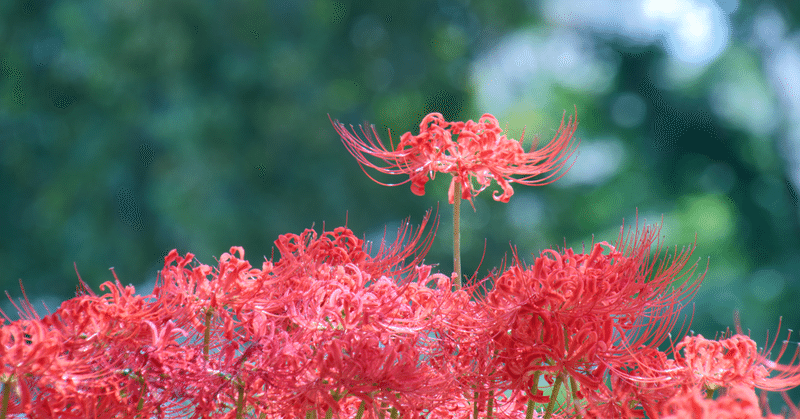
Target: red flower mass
[(328, 328), (335, 328)]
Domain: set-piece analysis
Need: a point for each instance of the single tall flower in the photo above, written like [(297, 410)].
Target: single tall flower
[(474, 153)]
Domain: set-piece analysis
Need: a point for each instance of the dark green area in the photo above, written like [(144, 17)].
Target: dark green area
[(131, 128)]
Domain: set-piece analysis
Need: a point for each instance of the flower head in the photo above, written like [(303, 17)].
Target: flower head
[(589, 314), (739, 402), (736, 360), (474, 153)]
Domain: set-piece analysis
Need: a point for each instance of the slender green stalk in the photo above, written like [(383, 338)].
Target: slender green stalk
[(574, 387), (534, 390), (529, 409), (141, 381), (457, 235), (6, 397), (475, 404), (207, 334), (490, 405), (240, 402), (361, 409), (548, 412)]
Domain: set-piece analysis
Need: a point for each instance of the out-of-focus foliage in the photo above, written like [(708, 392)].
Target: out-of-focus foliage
[(131, 128)]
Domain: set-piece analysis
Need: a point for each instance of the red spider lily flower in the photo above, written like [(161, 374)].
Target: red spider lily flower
[(91, 357), (713, 364), (373, 341), (474, 153), (735, 361), (341, 246), (327, 318), (738, 402), (588, 313), (325, 321)]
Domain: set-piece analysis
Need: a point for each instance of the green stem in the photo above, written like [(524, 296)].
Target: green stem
[(6, 397), (207, 334), (475, 405), (574, 387), (534, 391), (361, 409), (457, 235), (548, 412), (240, 402), (490, 405), (143, 393), (529, 409)]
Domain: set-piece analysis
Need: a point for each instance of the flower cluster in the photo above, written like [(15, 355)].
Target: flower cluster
[(328, 329), (583, 315), (336, 328), (324, 327)]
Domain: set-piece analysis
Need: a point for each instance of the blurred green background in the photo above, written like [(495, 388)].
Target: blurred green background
[(131, 128)]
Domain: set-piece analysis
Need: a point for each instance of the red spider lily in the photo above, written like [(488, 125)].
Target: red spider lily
[(95, 349), (474, 153), (341, 246), (331, 320), (331, 330), (586, 314), (735, 361), (325, 319), (374, 342), (738, 402), (712, 364)]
